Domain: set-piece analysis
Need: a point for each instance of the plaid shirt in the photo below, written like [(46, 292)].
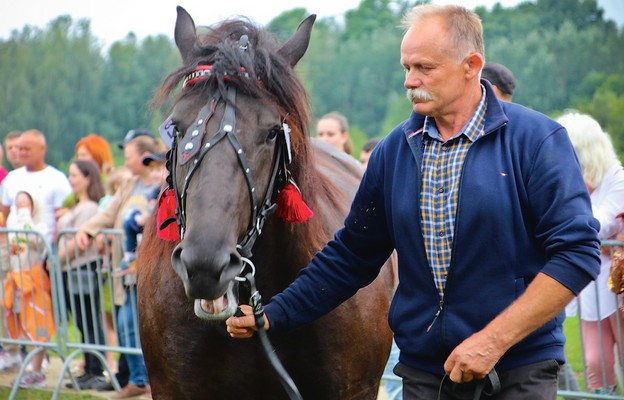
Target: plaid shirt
[(441, 170)]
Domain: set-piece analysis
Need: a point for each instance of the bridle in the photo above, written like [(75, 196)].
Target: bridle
[(195, 144)]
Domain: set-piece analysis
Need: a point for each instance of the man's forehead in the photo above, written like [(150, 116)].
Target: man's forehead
[(30, 141)]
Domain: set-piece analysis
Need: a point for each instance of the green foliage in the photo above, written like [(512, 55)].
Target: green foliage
[(608, 109), (287, 22), (369, 17), (399, 109), (62, 82), (358, 138), (57, 80)]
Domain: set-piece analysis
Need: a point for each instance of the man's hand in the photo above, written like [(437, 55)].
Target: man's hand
[(244, 327), (474, 358)]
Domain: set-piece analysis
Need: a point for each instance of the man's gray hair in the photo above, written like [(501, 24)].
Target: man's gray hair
[(464, 27)]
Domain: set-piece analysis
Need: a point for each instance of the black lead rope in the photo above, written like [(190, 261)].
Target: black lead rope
[(255, 301), (489, 386)]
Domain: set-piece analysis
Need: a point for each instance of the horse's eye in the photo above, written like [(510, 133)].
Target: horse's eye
[(273, 132)]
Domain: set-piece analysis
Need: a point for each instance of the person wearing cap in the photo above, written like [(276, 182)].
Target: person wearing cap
[(133, 134), (133, 225), (501, 78), (131, 196)]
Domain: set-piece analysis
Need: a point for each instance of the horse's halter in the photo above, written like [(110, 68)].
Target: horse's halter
[(195, 144)]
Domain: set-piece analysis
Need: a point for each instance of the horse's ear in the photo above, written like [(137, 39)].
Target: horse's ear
[(185, 34), (297, 45)]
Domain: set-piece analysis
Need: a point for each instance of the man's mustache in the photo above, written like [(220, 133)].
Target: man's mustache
[(418, 94)]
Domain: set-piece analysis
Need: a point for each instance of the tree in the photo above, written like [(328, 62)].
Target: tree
[(563, 54), (45, 90)]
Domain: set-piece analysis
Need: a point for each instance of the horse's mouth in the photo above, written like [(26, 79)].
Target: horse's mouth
[(217, 306), (220, 309)]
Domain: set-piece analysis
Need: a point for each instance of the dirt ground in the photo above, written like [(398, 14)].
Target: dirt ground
[(52, 375), (54, 369)]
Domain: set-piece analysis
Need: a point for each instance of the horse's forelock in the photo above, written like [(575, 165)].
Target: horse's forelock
[(280, 85)]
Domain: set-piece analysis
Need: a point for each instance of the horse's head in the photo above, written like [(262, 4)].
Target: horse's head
[(239, 117)]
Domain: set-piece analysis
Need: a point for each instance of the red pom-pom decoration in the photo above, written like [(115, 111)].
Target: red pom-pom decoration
[(167, 227), (290, 205)]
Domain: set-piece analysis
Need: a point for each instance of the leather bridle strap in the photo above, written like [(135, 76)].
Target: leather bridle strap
[(228, 129)]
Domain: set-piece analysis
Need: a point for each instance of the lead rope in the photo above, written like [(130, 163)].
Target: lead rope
[(255, 301), (480, 387)]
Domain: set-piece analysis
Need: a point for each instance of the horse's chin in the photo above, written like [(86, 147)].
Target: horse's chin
[(218, 309)]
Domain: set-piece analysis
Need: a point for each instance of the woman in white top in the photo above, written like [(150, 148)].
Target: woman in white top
[(604, 178)]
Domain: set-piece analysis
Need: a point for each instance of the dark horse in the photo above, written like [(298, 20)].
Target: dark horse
[(231, 157)]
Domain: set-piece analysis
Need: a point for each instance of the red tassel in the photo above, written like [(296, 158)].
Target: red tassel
[(166, 225), (290, 205)]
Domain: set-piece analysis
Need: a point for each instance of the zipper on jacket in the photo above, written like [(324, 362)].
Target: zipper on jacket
[(441, 305)]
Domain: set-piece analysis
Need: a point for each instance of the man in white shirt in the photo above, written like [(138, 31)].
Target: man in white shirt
[(49, 186)]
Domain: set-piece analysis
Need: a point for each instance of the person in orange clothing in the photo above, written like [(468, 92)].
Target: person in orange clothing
[(29, 306), (27, 287)]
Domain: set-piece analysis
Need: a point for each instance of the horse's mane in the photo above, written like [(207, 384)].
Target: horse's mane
[(270, 79)]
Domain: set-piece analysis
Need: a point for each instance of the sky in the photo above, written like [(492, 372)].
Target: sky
[(112, 20)]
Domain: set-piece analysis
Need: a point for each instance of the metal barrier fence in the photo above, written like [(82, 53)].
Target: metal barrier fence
[(30, 306), (74, 300), (60, 299)]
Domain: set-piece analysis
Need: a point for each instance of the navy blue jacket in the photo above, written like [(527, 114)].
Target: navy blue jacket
[(522, 209)]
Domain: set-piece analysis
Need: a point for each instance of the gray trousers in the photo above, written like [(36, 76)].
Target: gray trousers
[(531, 382)]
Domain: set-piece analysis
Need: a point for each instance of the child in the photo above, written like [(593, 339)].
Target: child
[(27, 287), (134, 223)]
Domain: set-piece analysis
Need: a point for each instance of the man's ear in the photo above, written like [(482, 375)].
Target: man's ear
[(473, 64)]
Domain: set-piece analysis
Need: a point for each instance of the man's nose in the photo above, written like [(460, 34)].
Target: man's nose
[(412, 80)]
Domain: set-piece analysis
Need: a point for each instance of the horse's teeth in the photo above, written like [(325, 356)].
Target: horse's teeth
[(216, 306)]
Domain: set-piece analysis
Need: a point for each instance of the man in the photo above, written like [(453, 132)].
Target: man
[(486, 206), (134, 133), (11, 144), (501, 78), (3, 171), (49, 186)]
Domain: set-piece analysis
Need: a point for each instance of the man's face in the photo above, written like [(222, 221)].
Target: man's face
[(433, 77), (31, 150), (11, 146), (133, 159)]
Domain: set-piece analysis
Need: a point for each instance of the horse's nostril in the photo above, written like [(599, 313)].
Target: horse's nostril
[(235, 262), (205, 274), (178, 265)]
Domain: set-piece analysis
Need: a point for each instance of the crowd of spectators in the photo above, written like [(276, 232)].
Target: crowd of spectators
[(42, 206)]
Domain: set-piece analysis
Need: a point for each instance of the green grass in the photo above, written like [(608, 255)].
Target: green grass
[(35, 394), (574, 352)]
